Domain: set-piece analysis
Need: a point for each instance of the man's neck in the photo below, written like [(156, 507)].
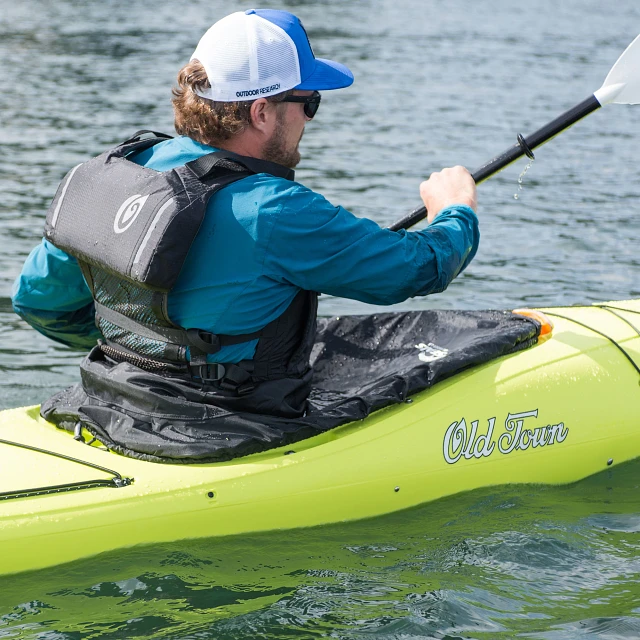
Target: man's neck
[(243, 146)]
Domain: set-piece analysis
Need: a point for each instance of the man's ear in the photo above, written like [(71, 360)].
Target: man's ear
[(262, 113)]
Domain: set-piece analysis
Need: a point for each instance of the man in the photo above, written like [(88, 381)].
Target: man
[(237, 315)]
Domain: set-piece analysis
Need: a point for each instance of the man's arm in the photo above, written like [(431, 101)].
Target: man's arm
[(52, 296), (317, 246)]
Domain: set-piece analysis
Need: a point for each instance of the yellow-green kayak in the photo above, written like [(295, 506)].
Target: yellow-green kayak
[(555, 413)]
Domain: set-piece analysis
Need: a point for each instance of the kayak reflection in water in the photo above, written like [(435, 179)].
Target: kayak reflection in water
[(195, 260)]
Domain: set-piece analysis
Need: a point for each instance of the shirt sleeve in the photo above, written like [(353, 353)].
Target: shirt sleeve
[(318, 246), (52, 296)]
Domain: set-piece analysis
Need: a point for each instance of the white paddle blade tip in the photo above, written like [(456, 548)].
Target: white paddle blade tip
[(608, 93), (622, 85)]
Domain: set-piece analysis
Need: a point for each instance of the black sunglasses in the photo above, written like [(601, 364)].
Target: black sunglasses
[(311, 103)]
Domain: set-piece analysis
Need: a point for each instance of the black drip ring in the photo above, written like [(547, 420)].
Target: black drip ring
[(525, 147)]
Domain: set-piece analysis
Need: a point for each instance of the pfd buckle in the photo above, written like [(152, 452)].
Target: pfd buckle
[(205, 341), (210, 372), (238, 380)]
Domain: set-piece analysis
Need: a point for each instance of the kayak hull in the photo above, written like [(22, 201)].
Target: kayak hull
[(553, 414)]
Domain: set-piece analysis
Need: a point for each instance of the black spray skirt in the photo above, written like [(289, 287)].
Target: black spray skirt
[(360, 364)]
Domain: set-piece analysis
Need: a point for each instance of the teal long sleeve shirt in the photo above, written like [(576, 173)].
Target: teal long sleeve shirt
[(262, 240)]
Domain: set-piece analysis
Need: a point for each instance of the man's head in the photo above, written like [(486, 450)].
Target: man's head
[(246, 85)]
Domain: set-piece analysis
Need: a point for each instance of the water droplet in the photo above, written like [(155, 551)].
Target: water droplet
[(516, 196)]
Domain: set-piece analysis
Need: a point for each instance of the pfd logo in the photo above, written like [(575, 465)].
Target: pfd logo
[(128, 212)]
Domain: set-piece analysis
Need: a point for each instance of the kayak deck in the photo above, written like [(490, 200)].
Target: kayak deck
[(555, 413)]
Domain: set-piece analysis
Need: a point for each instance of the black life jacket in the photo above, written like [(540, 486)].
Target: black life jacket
[(131, 228)]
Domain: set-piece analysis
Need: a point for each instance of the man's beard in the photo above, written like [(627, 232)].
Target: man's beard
[(275, 149)]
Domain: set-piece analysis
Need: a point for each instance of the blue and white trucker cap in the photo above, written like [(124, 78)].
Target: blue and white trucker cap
[(260, 52)]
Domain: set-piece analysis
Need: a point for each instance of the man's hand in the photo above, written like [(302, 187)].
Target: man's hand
[(449, 186)]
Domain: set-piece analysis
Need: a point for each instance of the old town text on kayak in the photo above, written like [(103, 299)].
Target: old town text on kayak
[(460, 441)]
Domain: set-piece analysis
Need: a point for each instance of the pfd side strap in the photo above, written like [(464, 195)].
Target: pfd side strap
[(205, 341)]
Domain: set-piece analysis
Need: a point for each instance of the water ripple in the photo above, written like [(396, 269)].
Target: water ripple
[(437, 84)]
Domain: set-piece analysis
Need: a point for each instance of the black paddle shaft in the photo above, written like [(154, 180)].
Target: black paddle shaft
[(521, 148)]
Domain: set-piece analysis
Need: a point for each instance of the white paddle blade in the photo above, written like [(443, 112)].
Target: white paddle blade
[(622, 85)]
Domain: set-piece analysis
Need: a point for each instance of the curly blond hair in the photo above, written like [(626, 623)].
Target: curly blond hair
[(207, 121)]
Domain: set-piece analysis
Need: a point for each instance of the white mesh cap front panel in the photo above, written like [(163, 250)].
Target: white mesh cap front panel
[(247, 57)]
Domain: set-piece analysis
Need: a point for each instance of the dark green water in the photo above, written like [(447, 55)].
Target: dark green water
[(437, 83)]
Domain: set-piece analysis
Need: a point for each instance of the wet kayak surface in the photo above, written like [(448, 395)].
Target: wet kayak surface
[(437, 84)]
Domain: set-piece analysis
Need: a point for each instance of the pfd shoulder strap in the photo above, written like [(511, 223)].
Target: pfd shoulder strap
[(140, 141), (138, 135), (204, 166)]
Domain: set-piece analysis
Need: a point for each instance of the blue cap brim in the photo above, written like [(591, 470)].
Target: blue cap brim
[(326, 75)]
